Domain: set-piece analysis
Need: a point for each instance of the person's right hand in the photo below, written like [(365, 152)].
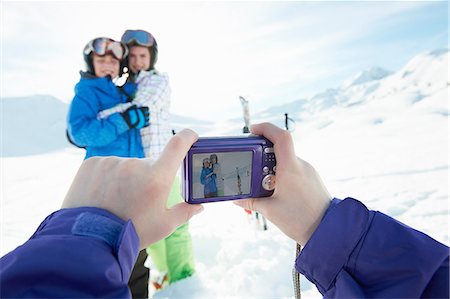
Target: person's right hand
[(300, 198), (137, 117)]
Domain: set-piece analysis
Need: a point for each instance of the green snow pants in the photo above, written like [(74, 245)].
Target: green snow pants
[(174, 254)]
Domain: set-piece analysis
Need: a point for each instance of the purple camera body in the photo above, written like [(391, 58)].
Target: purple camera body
[(228, 168)]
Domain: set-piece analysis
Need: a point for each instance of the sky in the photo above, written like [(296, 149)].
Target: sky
[(272, 53)]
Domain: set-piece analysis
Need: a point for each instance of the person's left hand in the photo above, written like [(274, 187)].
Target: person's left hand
[(136, 189)]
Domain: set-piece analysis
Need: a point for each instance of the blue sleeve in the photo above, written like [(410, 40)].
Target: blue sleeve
[(357, 253), (83, 125), (203, 176), (76, 253)]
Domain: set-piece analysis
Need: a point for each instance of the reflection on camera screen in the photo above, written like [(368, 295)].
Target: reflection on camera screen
[(221, 174)]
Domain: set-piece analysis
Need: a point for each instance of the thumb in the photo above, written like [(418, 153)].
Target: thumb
[(182, 212)]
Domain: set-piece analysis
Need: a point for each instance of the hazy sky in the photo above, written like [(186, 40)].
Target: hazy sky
[(269, 52)]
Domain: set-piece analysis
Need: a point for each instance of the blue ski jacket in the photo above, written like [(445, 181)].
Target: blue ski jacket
[(354, 253), (102, 137)]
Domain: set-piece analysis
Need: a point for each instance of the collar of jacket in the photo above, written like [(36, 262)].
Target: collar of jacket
[(88, 75), (88, 79)]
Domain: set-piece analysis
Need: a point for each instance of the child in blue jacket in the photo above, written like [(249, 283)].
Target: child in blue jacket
[(207, 179), (118, 134)]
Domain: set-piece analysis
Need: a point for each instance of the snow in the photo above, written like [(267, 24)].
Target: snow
[(384, 141)]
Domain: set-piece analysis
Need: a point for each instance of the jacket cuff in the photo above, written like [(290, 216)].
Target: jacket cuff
[(96, 223), (332, 243)]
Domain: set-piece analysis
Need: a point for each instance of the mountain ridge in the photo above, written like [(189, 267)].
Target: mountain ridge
[(425, 73)]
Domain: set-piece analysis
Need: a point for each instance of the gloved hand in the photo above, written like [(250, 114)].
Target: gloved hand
[(136, 117)]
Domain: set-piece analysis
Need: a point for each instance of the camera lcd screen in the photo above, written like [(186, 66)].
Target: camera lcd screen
[(221, 174)]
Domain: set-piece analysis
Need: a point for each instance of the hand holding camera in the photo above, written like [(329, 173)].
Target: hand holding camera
[(136, 189), (300, 198), (264, 172)]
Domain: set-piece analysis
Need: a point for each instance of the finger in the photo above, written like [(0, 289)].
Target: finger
[(249, 204), (175, 150), (282, 140), (182, 213)]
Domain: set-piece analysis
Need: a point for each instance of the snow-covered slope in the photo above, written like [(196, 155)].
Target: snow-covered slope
[(383, 140), (32, 125)]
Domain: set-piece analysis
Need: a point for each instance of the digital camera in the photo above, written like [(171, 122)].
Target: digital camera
[(228, 168)]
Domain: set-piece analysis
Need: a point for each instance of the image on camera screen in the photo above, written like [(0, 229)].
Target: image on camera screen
[(221, 174)]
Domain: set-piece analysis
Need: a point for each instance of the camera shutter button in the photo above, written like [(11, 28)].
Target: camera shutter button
[(268, 182)]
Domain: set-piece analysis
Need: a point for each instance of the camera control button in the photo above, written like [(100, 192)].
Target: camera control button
[(268, 182), (269, 150), (265, 169)]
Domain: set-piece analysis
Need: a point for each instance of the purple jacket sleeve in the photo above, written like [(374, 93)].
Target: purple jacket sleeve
[(357, 253), (82, 252)]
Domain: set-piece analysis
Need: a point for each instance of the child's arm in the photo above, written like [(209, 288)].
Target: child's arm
[(153, 92), (119, 108)]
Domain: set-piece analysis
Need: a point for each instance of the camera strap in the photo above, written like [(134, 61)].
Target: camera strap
[(296, 275)]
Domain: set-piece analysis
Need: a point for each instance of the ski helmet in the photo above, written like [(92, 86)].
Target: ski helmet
[(142, 38), (103, 46)]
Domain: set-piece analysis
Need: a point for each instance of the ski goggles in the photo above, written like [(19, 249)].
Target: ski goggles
[(140, 37), (104, 45)]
